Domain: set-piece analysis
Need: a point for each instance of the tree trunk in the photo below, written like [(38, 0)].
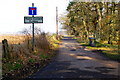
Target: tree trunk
[(99, 20), (87, 32)]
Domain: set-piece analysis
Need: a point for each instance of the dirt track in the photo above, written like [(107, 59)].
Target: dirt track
[(74, 61)]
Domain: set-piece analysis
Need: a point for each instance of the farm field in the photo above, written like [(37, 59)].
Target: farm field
[(13, 39)]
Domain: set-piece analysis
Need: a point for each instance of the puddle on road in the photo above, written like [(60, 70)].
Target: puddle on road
[(101, 69), (89, 67), (61, 44), (73, 50), (81, 55), (82, 59), (104, 69)]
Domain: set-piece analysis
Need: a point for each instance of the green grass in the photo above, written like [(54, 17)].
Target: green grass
[(12, 66), (43, 56), (112, 54), (55, 45), (108, 50), (99, 45), (31, 60), (106, 45)]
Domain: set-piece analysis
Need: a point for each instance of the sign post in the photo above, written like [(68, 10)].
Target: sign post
[(33, 43), (28, 19), (33, 11)]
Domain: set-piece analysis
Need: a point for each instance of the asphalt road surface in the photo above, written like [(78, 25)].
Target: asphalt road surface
[(74, 61)]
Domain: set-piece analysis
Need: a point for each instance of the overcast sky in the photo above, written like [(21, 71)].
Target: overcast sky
[(13, 11)]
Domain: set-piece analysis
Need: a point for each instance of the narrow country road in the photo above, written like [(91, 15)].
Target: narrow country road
[(73, 61)]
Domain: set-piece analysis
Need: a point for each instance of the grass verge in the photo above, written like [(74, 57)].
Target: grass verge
[(110, 51), (18, 68)]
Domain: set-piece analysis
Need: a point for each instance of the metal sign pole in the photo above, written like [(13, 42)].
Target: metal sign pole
[(33, 43), (33, 19)]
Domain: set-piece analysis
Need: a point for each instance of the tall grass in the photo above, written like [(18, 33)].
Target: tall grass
[(21, 48)]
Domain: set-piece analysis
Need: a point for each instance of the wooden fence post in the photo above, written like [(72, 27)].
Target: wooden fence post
[(5, 49)]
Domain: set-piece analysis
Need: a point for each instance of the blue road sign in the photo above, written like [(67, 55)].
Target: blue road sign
[(32, 11)]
